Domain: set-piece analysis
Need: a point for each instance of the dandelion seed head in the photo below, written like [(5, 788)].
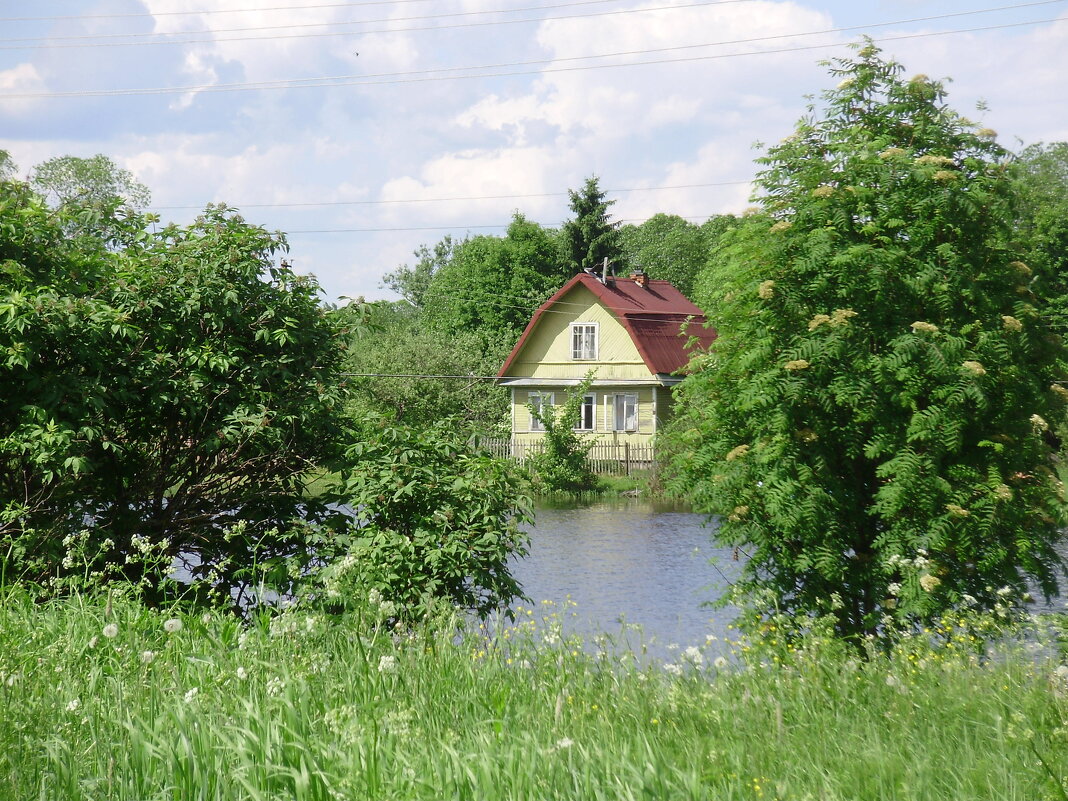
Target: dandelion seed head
[(172, 626), (111, 631)]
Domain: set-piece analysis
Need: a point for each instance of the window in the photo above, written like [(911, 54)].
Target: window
[(584, 341), (542, 403), (625, 417), (586, 421)]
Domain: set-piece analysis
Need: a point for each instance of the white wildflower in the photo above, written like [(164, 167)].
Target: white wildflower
[(927, 328), (387, 664), (720, 663), (1038, 423), (894, 588), (693, 655), (673, 669), (1010, 323), (73, 705), (766, 290), (374, 597), (148, 656), (111, 631), (564, 742), (241, 673), (974, 367), (93, 641), (797, 364), (275, 685), (191, 694), (172, 626)]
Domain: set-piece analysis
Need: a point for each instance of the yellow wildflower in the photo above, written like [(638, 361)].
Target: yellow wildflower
[(797, 364), (737, 453), (975, 368), (927, 328), (845, 83), (766, 290), (1011, 323), (781, 225)]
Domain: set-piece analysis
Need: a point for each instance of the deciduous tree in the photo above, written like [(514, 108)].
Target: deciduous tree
[(871, 424)]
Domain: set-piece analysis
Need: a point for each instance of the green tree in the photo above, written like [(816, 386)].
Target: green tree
[(870, 425), (175, 394), (413, 283), (91, 181), (492, 285), (591, 237), (7, 165), (669, 248), (1041, 173), (409, 351)]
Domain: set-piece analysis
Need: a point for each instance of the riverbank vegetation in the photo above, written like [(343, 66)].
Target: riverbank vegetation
[(102, 698)]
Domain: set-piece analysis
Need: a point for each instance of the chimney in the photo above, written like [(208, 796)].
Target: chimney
[(639, 277)]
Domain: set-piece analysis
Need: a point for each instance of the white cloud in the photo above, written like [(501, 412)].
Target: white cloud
[(21, 79)]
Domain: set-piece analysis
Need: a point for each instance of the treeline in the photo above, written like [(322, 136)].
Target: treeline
[(465, 303)]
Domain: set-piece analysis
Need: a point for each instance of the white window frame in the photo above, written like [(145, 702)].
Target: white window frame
[(617, 424), (538, 399), (582, 353), (589, 401)]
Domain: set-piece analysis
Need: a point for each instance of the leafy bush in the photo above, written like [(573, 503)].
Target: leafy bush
[(431, 521), (562, 466)]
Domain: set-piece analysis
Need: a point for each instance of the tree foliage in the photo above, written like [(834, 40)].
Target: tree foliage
[(669, 248), (174, 393), (492, 285), (591, 237), (401, 355), (870, 426), (436, 520), (88, 182)]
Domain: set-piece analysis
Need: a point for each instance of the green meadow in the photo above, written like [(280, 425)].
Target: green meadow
[(106, 699)]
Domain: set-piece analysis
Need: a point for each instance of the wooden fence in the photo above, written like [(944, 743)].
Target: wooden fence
[(604, 458)]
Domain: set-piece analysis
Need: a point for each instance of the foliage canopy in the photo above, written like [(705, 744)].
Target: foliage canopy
[(870, 426)]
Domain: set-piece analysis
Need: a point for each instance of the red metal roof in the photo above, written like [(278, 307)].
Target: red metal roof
[(653, 316)]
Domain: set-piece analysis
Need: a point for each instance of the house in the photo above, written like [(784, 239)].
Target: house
[(631, 332)]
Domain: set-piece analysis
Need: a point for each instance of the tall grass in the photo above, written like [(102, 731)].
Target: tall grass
[(306, 707)]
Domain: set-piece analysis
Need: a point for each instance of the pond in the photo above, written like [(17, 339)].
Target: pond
[(630, 561), (639, 562)]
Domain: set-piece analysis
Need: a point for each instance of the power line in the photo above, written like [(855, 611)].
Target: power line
[(212, 88), (207, 11), (449, 227), (290, 26), (442, 199), (364, 33)]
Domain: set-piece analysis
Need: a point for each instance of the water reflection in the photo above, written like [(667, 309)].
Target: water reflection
[(630, 561)]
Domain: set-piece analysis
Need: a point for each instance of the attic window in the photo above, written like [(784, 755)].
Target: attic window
[(584, 341)]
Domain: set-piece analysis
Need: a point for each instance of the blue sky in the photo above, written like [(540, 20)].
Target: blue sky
[(431, 117)]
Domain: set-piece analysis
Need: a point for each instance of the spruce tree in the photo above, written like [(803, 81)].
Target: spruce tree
[(591, 237), (871, 426)]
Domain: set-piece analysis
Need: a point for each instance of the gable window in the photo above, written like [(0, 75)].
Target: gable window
[(586, 421), (540, 403), (584, 341), (625, 412)]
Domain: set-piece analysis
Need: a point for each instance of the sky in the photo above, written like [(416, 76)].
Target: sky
[(366, 129)]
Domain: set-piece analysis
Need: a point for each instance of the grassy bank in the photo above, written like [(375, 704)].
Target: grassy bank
[(135, 704)]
